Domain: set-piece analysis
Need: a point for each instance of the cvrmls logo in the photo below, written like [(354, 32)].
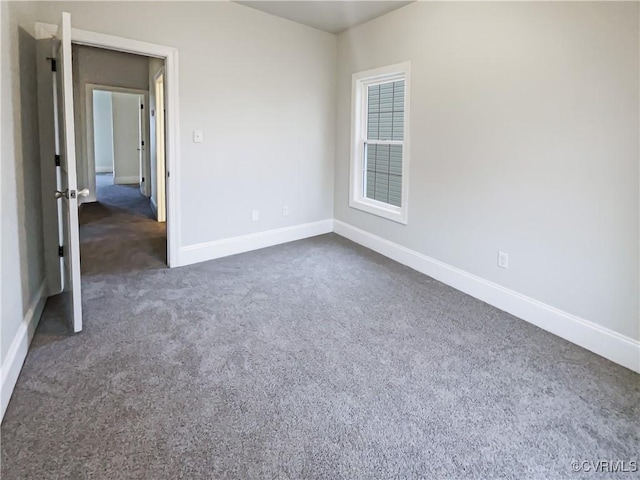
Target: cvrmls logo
[(608, 466)]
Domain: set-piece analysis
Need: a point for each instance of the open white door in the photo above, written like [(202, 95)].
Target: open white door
[(127, 141), (67, 193)]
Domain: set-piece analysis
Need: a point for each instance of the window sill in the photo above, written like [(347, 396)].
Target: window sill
[(395, 214)]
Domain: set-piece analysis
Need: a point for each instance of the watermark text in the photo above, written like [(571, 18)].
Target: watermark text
[(605, 466)]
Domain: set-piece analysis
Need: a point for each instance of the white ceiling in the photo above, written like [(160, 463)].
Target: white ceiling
[(330, 16)]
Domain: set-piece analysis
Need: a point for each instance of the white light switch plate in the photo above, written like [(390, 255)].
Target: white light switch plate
[(255, 215), (197, 136)]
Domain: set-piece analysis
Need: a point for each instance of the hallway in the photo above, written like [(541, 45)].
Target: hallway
[(119, 232)]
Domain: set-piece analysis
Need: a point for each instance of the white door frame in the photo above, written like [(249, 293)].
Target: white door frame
[(90, 140), (161, 167), (172, 129)]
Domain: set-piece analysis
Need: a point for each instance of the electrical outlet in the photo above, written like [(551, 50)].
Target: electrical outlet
[(255, 215), (503, 260), (285, 211), (197, 136)]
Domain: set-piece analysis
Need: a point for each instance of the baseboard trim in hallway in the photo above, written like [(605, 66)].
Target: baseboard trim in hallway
[(202, 252), (12, 363), (607, 343), (126, 180)]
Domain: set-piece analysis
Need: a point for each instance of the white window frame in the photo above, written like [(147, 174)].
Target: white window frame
[(359, 109)]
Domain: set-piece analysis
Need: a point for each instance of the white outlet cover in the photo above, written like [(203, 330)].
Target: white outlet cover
[(197, 136), (285, 211), (255, 215), (503, 260)]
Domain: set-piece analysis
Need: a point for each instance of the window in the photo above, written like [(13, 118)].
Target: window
[(380, 146)]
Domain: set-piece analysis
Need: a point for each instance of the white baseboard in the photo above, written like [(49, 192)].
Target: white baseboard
[(104, 169), (618, 348), (126, 180), (12, 363), (230, 246)]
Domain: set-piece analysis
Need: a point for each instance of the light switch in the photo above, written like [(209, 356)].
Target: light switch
[(197, 136)]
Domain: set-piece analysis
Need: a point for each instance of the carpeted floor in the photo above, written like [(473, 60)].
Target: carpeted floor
[(316, 359), (119, 233)]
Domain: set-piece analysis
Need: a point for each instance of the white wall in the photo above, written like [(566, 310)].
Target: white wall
[(524, 127), (102, 67), (103, 131), (126, 137), (263, 91)]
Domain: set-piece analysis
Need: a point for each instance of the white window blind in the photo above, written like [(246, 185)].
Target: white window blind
[(384, 142)]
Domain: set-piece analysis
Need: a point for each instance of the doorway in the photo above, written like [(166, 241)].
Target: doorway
[(57, 42), (119, 228), (117, 137), (168, 58)]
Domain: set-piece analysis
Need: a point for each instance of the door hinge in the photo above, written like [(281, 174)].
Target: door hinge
[(142, 106), (57, 157), (142, 180), (60, 251), (143, 143), (53, 63)]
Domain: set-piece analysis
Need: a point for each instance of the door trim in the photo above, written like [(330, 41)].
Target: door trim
[(172, 125), (161, 205)]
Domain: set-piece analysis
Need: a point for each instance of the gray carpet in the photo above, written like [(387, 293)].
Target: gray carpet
[(316, 359), (119, 232)]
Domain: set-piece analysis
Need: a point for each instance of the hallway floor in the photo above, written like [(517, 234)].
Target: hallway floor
[(119, 232)]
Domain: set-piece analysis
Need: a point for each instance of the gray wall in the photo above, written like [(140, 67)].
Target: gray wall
[(524, 127), (22, 261)]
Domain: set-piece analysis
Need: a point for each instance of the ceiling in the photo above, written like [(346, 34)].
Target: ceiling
[(330, 16)]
